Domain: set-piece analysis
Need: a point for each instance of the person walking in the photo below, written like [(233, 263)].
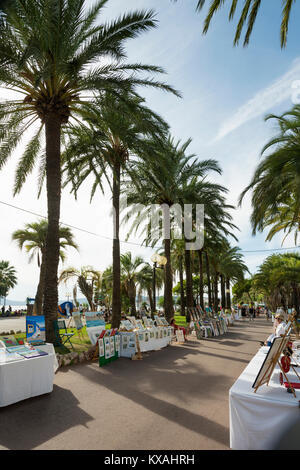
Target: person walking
[(251, 313), (244, 312)]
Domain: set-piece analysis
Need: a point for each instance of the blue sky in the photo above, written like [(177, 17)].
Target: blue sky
[(226, 91)]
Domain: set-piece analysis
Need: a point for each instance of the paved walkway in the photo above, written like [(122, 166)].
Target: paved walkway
[(173, 399), (15, 324)]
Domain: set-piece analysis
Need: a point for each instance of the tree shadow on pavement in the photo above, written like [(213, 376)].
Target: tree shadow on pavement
[(29, 423), (161, 384)]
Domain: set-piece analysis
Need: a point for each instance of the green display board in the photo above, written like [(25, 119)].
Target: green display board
[(109, 348)]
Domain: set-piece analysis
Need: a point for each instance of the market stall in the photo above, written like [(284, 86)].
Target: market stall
[(23, 378), (207, 324), (148, 336), (258, 420)]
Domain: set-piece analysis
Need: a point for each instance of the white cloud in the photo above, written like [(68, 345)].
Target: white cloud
[(274, 94)]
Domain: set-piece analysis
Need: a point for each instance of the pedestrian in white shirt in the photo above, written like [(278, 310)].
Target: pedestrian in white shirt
[(279, 326)]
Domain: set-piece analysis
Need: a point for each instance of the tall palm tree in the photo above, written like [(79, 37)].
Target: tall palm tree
[(177, 259), (8, 278), (232, 268), (117, 131), (216, 214), (166, 177), (145, 282), (247, 17), (33, 239), (275, 185), (87, 280), (130, 273), (56, 55)]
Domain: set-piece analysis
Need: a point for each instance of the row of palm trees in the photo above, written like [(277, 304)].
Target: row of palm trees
[(279, 280), (214, 266), (62, 61), (277, 283), (79, 95)]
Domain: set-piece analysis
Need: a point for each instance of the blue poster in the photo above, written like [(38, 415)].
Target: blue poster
[(35, 329), (94, 319)]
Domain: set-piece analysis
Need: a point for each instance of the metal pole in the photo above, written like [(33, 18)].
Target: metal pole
[(154, 285)]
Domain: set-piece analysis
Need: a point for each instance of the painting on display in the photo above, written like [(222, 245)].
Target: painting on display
[(94, 319), (77, 320), (35, 329), (267, 368)]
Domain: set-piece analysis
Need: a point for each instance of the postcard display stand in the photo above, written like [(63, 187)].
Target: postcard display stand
[(206, 324), (109, 346), (137, 335)]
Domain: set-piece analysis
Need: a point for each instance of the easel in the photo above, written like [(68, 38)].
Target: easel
[(138, 356), (275, 360), (180, 337), (96, 353)]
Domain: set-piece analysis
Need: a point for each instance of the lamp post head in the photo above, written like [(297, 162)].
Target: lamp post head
[(163, 261), (155, 258), (160, 260)]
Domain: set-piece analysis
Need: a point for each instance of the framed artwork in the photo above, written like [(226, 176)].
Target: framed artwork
[(127, 325), (77, 320), (94, 319), (140, 325), (271, 359), (133, 321), (179, 336), (148, 322), (35, 329), (9, 341)]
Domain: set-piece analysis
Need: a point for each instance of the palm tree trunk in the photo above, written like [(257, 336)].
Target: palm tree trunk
[(53, 175), (216, 303), (132, 295), (150, 297), (116, 297), (228, 298), (208, 279), (168, 292), (223, 294), (182, 297), (201, 288), (38, 304), (189, 284)]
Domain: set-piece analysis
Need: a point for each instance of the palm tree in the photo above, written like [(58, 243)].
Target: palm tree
[(8, 278), (145, 282), (247, 17), (275, 184), (118, 130), (130, 274), (33, 238), (168, 176), (87, 280), (177, 260), (279, 278), (57, 55), (232, 268)]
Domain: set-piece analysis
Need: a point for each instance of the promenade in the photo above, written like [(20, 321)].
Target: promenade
[(176, 398)]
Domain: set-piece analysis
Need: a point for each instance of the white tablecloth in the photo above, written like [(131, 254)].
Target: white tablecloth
[(257, 420), (26, 378), (49, 348)]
